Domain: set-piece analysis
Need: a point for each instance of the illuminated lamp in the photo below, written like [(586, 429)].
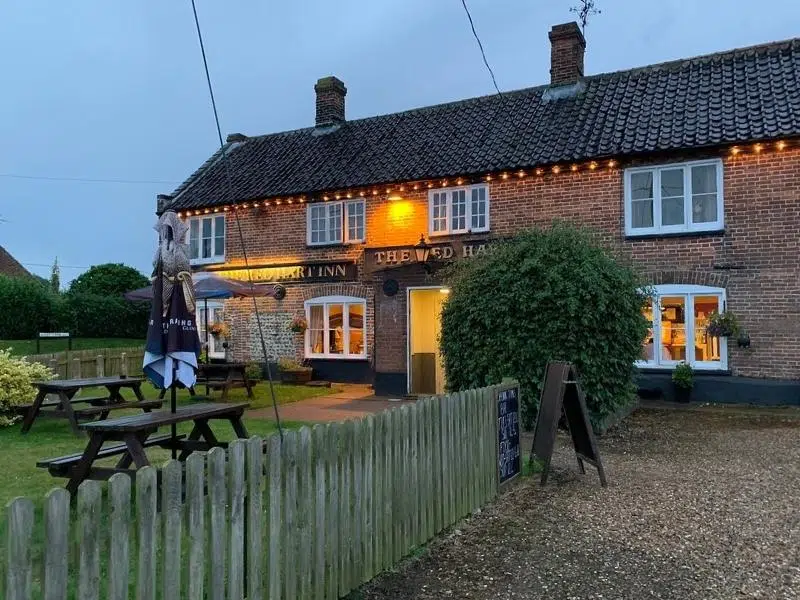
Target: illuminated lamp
[(422, 251)]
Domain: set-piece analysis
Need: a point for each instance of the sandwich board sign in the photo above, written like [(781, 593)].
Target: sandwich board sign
[(509, 463), (562, 396)]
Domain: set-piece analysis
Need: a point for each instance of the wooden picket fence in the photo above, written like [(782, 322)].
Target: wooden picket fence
[(314, 515), (100, 362)]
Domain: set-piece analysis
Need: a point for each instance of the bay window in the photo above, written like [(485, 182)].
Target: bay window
[(458, 210), (206, 239), (677, 317), (336, 223), (336, 327), (676, 198)]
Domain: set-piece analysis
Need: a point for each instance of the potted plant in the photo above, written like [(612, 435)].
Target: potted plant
[(683, 382), (722, 324), (292, 371), (298, 325), (219, 329)]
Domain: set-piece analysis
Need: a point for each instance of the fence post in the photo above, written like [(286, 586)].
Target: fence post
[(20, 533), (172, 513), (320, 530), (89, 514), (123, 364), (101, 365), (274, 532), (305, 513), (255, 523), (119, 567), (217, 483), (236, 469), (56, 544), (146, 499), (196, 502), (289, 531), (76, 368), (332, 529)]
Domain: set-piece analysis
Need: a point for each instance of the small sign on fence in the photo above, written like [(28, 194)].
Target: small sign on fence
[(47, 335), (562, 396), (508, 452)]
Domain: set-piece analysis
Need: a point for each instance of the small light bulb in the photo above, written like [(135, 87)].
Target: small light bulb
[(735, 150), (289, 201), (326, 198), (302, 200), (539, 172), (488, 178), (416, 186), (180, 215), (781, 145), (459, 181), (505, 175), (556, 169), (402, 188), (430, 185), (225, 209), (277, 201), (592, 165), (444, 183), (216, 209), (521, 174), (349, 195), (612, 164), (573, 168), (338, 196), (374, 192), (758, 148)]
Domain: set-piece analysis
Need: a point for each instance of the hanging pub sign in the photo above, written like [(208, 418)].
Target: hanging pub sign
[(508, 451), (381, 259), (562, 396), (316, 272)]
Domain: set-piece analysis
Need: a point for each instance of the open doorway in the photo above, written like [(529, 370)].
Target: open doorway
[(425, 367)]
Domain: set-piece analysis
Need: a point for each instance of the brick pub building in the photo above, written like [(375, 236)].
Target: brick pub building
[(690, 168)]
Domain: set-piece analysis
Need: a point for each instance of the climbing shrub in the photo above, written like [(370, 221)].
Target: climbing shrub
[(547, 294)]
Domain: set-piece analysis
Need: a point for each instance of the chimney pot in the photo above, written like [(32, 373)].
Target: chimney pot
[(330, 101), (567, 48)]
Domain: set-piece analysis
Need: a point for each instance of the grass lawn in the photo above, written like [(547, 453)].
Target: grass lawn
[(28, 347), (53, 437)]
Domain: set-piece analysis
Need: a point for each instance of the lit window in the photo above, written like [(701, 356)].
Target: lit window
[(207, 239), (336, 223), (458, 210), (210, 312), (678, 315), (675, 198), (336, 327)]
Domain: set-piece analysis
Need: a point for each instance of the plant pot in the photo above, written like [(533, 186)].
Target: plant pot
[(681, 393), (297, 376)]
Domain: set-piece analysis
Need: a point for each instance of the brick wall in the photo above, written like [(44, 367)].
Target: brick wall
[(755, 258)]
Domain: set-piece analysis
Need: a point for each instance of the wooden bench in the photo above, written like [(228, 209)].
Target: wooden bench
[(61, 465), (87, 413)]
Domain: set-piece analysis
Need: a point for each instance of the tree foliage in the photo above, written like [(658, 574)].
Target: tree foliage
[(16, 378), (55, 277), (28, 307), (110, 279), (549, 294)]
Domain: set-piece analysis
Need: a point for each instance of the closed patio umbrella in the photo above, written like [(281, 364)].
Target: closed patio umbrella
[(172, 347)]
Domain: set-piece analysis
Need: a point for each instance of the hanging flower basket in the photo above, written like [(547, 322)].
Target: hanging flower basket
[(298, 325), (219, 329), (722, 324)]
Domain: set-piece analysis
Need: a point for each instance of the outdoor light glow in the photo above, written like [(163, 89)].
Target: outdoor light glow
[(400, 209), (735, 150), (225, 209), (444, 290), (402, 188), (521, 174), (488, 178), (781, 145), (592, 165), (349, 195), (758, 148), (505, 175), (539, 172), (612, 164), (338, 196), (556, 169), (459, 181), (326, 197), (444, 183), (573, 168)]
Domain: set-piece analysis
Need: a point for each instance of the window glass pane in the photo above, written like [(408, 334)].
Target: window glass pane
[(334, 222), (316, 329), (355, 221), (642, 185), (355, 314), (439, 210), (206, 228), (479, 208), (641, 213), (335, 328), (704, 179), (673, 328), (319, 234), (672, 211), (704, 208), (194, 238), (459, 210), (648, 347), (671, 183), (706, 348)]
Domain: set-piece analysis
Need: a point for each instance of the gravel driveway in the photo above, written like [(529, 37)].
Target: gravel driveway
[(702, 504)]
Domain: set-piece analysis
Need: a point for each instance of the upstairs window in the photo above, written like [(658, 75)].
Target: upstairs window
[(207, 239), (677, 198), (336, 223), (458, 210)]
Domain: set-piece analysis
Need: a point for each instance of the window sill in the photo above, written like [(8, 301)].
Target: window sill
[(675, 234), (448, 234), (336, 245), (699, 371), (336, 358), (199, 262)]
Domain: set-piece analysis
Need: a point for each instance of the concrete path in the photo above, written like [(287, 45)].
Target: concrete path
[(353, 402)]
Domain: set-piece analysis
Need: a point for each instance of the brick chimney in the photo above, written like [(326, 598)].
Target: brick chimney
[(330, 101), (567, 47)]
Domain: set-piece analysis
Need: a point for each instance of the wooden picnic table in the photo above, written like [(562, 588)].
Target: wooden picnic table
[(136, 432), (222, 376), (99, 406)]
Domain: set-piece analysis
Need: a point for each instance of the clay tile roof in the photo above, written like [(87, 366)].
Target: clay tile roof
[(10, 266)]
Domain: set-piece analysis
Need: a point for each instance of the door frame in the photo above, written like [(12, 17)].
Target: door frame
[(408, 327), (212, 305)]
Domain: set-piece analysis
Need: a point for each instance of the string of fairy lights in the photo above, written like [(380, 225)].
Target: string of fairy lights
[(736, 151)]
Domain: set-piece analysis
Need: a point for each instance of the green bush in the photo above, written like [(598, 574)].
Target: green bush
[(111, 279), (16, 376), (549, 294), (255, 371), (28, 307), (94, 316), (683, 376)]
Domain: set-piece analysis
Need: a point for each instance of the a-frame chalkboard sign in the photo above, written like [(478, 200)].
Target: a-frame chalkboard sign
[(562, 395)]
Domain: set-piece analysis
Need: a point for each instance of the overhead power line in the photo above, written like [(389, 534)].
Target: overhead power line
[(27, 264), (88, 179), (480, 45)]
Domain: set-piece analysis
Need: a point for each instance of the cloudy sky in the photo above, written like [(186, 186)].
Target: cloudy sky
[(113, 90)]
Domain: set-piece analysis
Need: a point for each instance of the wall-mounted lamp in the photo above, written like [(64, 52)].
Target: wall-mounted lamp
[(422, 251)]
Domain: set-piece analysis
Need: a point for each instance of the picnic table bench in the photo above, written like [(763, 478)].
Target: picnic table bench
[(100, 406), (222, 376), (136, 432)]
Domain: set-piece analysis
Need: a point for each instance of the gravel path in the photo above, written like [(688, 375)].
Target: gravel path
[(702, 504)]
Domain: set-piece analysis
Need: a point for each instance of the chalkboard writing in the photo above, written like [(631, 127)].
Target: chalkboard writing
[(508, 454)]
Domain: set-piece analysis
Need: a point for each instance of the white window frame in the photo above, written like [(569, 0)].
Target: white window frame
[(688, 226), (214, 258), (326, 302), (449, 210), (213, 306), (344, 206), (688, 292)]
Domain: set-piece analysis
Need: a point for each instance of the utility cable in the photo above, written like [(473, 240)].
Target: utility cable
[(238, 220), (87, 179)]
